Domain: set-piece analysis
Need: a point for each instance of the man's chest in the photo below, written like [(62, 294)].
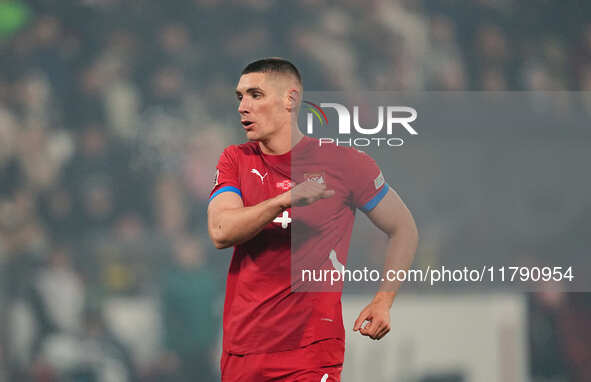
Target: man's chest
[(260, 181)]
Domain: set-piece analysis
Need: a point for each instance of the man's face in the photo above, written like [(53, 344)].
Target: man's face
[(262, 105)]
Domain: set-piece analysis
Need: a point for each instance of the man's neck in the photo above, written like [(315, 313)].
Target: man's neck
[(281, 143)]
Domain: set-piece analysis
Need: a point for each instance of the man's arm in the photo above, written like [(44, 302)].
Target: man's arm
[(393, 218), (230, 223)]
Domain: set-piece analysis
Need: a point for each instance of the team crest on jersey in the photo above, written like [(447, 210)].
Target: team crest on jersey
[(315, 177), (285, 185)]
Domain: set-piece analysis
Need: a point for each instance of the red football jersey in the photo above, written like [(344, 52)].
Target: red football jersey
[(268, 307)]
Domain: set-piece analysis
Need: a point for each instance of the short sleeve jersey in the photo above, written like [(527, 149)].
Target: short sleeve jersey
[(268, 307)]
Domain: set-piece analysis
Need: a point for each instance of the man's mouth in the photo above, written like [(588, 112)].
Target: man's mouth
[(247, 124)]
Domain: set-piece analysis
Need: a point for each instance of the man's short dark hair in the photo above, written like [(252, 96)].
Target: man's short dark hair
[(273, 65)]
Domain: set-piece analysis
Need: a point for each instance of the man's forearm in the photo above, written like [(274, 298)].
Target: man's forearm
[(237, 225), (400, 253), (232, 226)]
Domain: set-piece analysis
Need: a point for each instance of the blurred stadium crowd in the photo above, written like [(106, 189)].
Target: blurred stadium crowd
[(112, 117)]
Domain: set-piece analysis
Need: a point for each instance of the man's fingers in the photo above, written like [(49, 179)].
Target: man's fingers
[(309, 192), (359, 321), (366, 330), (378, 324), (384, 331), (373, 330), (322, 195)]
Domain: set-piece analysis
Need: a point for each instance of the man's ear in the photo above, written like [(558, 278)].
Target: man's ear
[(293, 99)]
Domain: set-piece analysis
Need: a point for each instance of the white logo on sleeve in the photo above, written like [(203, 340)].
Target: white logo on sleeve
[(379, 181), (217, 177), (324, 378), (257, 173)]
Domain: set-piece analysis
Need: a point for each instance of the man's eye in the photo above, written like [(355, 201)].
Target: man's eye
[(256, 95)]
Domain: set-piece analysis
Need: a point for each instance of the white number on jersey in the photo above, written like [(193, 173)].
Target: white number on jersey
[(284, 219)]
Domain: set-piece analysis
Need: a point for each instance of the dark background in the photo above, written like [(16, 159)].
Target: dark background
[(112, 117)]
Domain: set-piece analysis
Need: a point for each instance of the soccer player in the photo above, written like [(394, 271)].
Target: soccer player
[(273, 328)]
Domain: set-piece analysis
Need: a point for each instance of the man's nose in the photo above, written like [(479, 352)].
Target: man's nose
[(243, 106)]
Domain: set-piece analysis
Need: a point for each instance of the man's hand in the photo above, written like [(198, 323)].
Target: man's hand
[(378, 315), (394, 219), (304, 194)]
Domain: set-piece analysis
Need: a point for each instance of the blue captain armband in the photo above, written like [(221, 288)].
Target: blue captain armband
[(375, 200), (226, 189)]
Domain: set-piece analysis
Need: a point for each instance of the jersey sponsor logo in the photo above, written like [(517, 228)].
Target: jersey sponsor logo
[(285, 185), (324, 378), (315, 177), (379, 181), (257, 173)]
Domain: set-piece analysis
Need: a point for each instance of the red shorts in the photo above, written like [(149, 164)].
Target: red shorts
[(321, 361)]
